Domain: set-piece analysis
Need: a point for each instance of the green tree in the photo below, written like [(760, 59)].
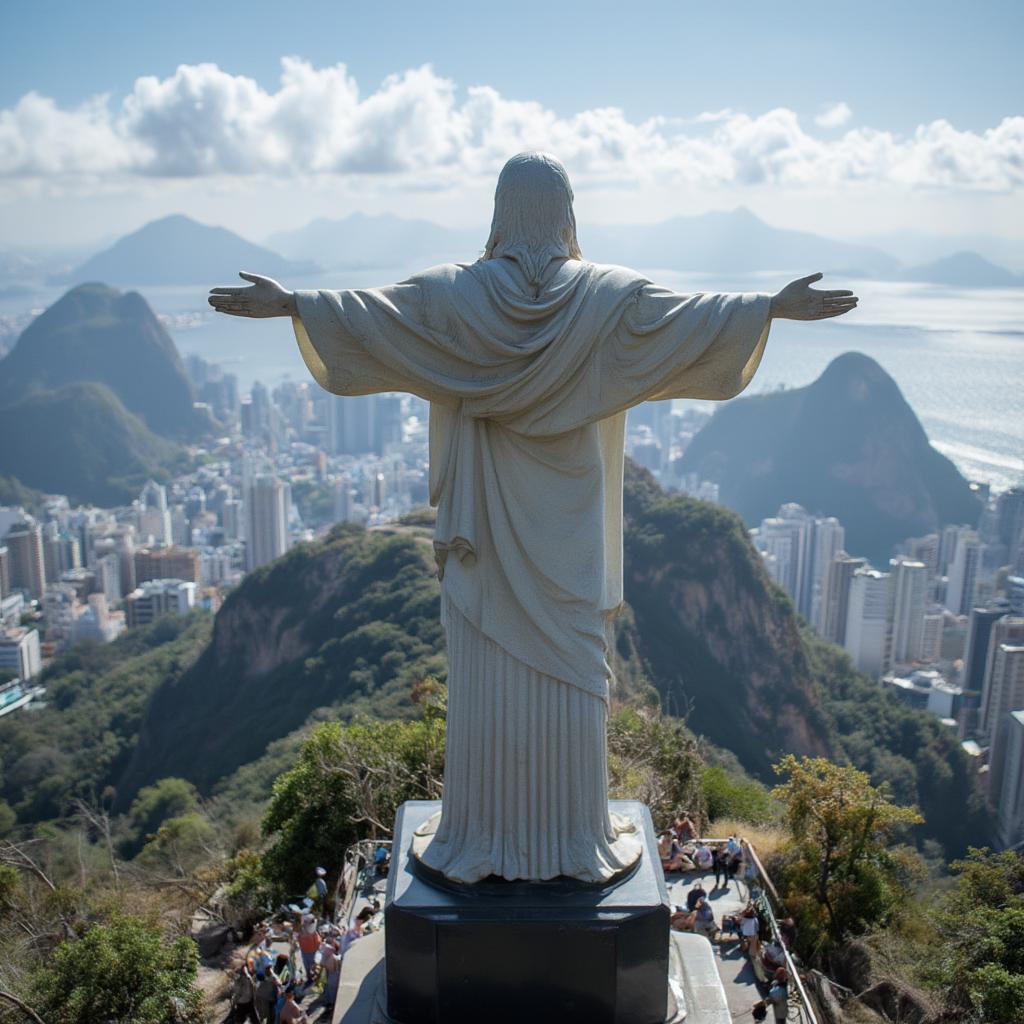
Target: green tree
[(840, 871), (654, 759), (121, 972), (980, 924), (728, 796), (347, 785), (168, 798)]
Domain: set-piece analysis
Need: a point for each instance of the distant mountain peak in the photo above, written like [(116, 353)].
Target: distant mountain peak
[(964, 269), (847, 445), (179, 250), (95, 333)]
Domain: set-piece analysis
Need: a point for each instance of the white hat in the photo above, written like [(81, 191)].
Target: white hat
[(321, 871)]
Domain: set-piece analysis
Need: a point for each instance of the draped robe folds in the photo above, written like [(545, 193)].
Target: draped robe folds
[(528, 390)]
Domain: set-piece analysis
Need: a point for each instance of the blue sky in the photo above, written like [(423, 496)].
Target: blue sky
[(897, 63), (887, 70)]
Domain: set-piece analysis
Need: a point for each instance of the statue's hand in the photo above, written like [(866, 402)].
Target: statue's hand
[(799, 301), (265, 297)]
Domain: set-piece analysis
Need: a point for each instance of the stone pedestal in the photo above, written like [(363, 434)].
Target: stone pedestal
[(515, 951)]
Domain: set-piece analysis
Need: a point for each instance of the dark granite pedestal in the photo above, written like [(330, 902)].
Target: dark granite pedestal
[(512, 951)]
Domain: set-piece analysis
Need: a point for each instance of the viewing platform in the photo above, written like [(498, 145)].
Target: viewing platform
[(715, 981)]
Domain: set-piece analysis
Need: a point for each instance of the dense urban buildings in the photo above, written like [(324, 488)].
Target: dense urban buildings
[(938, 625)]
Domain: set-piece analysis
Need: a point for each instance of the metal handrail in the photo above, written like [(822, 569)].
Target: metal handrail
[(804, 1006), (357, 857)]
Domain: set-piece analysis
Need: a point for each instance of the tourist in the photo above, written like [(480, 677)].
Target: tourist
[(243, 996), (787, 929), (696, 894), (734, 857), (773, 956), (685, 829), (720, 864), (670, 852), (331, 963), (356, 931), (317, 892), (309, 943), (778, 994), (382, 860), (749, 865), (682, 920), (703, 857), (750, 930), (291, 1012), (268, 991), (704, 923)]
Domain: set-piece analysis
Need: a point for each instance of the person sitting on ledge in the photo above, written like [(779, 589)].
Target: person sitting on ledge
[(705, 920), (696, 894), (682, 920), (703, 857), (773, 956), (670, 852)]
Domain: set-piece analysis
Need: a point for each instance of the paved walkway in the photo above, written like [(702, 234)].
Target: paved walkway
[(734, 968)]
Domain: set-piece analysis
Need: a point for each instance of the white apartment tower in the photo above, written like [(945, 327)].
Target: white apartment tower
[(963, 572), (266, 520), (1003, 686), (910, 592), (868, 621), (829, 538)]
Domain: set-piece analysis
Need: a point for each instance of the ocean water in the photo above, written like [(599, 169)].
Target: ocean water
[(957, 354)]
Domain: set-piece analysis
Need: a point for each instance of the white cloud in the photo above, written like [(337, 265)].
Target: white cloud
[(415, 128), (835, 116)]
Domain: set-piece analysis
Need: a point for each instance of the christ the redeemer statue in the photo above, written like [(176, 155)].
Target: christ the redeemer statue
[(530, 358)]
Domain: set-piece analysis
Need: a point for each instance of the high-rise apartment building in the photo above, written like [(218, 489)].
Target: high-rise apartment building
[(1002, 687), (266, 517), (829, 537), (836, 600), (154, 598), (24, 542), (154, 516), (963, 572), (61, 551), (173, 563), (868, 632), (1006, 779), (979, 629), (20, 652), (910, 590)]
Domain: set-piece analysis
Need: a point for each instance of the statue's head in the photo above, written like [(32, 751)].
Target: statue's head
[(533, 218)]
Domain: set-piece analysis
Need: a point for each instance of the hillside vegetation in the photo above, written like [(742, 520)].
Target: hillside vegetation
[(79, 440)]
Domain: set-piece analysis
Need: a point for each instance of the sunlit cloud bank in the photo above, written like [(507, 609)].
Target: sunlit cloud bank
[(203, 121)]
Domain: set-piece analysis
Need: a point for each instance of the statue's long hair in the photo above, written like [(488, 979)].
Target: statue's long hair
[(533, 218)]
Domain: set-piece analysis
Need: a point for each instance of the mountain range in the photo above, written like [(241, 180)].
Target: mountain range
[(846, 445), (178, 250)]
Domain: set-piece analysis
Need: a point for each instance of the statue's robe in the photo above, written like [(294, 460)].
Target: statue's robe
[(528, 390)]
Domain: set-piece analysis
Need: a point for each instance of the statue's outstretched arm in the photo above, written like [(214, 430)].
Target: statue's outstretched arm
[(263, 298), (799, 301)]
